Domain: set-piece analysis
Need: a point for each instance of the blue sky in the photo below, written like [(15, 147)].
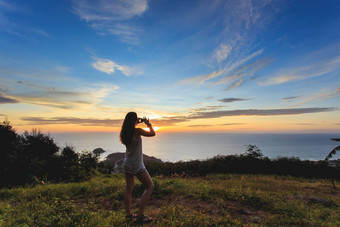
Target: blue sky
[(189, 65)]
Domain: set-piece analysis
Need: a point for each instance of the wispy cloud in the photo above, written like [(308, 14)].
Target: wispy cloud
[(222, 52), (316, 64), (108, 66), (247, 14), (259, 112), (12, 7), (73, 120), (6, 100), (231, 59), (111, 16), (207, 108), (232, 71), (233, 100), (56, 97), (290, 98), (11, 25), (109, 10), (174, 120), (198, 114), (170, 121), (235, 84), (202, 79), (320, 96), (231, 124)]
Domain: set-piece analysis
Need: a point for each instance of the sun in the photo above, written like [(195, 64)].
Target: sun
[(155, 128)]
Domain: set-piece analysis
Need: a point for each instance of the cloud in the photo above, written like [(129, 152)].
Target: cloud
[(109, 10), (5, 88), (320, 96), (201, 79), (232, 100), (6, 100), (61, 98), (73, 120), (315, 65), (235, 85), (290, 98), (241, 23), (305, 124), (170, 121), (6, 6), (236, 73), (230, 124), (231, 70), (259, 112), (207, 108), (108, 66), (110, 16), (222, 52), (12, 7), (11, 24), (127, 33), (249, 14)]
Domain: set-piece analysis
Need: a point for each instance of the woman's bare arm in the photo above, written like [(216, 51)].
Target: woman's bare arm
[(146, 133), (142, 132)]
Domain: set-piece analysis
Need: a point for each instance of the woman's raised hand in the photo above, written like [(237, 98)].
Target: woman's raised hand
[(146, 121)]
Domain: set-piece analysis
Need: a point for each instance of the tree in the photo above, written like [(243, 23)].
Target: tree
[(333, 152), (39, 154), (330, 155), (253, 151), (88, 161), (9, 148), (69, 160)]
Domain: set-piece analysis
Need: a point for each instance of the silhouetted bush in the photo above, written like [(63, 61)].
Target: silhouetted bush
[(88, 161), (251, 162), (34, 158), (9, 149), (39, 154)]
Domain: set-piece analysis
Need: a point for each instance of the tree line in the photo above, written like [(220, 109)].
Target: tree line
[(251, 162), (33, 157)]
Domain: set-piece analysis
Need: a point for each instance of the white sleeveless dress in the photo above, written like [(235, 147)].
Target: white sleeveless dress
[(133, 160)]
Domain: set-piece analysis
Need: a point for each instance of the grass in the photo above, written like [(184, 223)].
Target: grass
[(215, 200)]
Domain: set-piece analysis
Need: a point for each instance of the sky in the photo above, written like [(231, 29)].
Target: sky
[(194, 65)]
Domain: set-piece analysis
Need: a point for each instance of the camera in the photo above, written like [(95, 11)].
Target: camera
[(140, 120)]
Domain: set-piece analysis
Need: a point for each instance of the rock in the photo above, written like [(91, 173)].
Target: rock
[(98, 151), (116, 160)]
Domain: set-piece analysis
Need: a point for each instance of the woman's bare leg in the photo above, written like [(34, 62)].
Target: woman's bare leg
[(130, 181), (148, 184)]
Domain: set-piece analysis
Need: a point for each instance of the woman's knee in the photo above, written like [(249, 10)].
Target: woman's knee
[(150, 186)]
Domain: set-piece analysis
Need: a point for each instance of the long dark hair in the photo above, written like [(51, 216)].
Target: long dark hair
[(128, 128)]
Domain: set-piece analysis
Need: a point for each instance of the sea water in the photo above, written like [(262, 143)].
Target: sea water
[(191, 146)]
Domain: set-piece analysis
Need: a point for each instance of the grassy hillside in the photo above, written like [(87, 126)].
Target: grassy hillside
[(228, 200)]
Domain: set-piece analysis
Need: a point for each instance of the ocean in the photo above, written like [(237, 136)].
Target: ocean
[(175, 147)]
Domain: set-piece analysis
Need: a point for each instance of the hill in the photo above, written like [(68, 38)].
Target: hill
[(214, 200)]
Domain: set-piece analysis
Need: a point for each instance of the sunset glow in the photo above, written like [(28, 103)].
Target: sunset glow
[(189, 66)]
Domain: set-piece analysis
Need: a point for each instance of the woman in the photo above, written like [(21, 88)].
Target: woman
[(133, 164)]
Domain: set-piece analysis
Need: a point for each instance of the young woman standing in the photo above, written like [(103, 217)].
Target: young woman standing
[(133, 163)]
